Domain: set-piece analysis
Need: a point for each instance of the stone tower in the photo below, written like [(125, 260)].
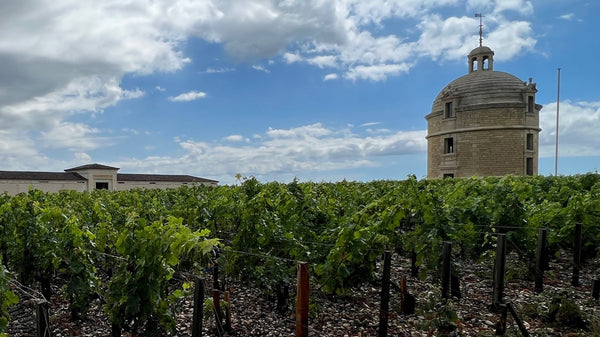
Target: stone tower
[(485, 123)]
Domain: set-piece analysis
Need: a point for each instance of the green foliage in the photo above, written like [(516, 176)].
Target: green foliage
[(143, 237), (440, 315), (7, 298), (150, 253), (563, 311)]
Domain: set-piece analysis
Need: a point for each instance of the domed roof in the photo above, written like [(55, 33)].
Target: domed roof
[(481, 88), (481, 50)]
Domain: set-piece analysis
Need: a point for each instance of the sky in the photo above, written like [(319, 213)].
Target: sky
[(317, 90)]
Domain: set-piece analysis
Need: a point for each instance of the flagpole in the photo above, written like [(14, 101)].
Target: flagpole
[(557, 111)]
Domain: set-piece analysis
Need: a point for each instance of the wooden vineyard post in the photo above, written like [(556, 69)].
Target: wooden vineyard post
[(446, 269), (499, 269), (596, 289), (115, 330), (216, 294), (576, 255), (517, 319), (540, 260), (43, 329), (198, 315), (414, 270), (216, 277), (283, 292), (501, 325), (384, 310), (228, 311), (302, 300)]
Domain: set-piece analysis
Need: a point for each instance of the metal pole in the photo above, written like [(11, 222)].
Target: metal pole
[(557, 114)]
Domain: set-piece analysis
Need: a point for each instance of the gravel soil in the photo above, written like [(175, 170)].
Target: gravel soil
[(559, 310)]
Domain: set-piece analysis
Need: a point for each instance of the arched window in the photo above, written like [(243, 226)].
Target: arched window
[(486, 64), (474, 64)]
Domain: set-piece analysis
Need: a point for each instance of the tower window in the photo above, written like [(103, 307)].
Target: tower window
[(486, 63), (530, 141), (474, 64), (449, 110), (530, 104), (448, 175), (449, 145), (529, 168)]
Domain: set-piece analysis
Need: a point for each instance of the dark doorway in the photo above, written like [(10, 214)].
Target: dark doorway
[(101, 186)]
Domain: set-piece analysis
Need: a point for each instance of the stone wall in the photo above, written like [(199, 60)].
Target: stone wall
[(486, 142)]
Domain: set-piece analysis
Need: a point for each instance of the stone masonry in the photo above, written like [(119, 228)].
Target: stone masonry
[(485, 123)]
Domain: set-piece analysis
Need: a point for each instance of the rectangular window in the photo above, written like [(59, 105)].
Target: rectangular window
[(530, 141), (449, 110), (530, 104), (101, 185), (529, 171), (448, 145), (448, 175)]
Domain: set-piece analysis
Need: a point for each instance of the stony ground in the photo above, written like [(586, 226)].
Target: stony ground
[(554, 312)]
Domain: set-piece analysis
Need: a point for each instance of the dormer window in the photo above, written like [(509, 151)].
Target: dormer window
[(449, 110), (530, 104)]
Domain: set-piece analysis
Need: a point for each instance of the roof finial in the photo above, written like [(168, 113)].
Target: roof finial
[(480, 16)]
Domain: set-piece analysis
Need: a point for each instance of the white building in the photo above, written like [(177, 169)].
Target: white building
[(92, 177)]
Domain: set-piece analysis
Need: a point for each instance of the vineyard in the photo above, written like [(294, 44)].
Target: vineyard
[(133, 256)]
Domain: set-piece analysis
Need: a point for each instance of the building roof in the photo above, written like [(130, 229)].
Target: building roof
[(162, 177), (91, 167), (481, 50), (27, 175), (72, 175), (483, 88)]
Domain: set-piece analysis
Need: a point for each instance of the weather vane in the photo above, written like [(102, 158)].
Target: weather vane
[(480, 16)]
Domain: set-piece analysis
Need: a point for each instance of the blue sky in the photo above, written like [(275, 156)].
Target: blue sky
[(321, 90)]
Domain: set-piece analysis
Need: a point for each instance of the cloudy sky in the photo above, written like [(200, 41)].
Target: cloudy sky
[(321, 90)]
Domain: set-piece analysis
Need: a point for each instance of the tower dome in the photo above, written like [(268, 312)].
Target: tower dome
[(485, 123)]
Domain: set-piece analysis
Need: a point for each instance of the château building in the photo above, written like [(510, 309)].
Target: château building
[(485, 123), (92, 177)]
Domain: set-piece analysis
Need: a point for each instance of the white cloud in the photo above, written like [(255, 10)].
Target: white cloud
[(218, 70), (568, 17), (452, 38), (188, 96), (521, 6), (330, 77), (261, 68), (323, 61), (370, 124), (46, 46), (159, 88), (74, 136), (377, 72), (59, 58), (292, 58), (297, 151), (511, 38), (82, 158), (235, 138), (578, 129)]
